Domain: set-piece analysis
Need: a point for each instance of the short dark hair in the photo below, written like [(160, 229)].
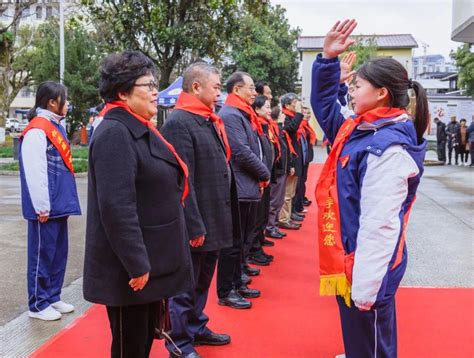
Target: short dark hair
[(260, 86), (119, 72), (463, 120), (198, 71), (259, 102), (48, 90), (237, 78), (288, 98), (275, 113)]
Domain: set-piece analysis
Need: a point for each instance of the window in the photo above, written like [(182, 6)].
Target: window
[(39, 12), (49, 11)]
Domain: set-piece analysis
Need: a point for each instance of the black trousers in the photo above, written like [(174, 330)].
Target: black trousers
[(133, 329), (452, 146), (471, 151), (262, 213), (298, 200), (188, 319), (441, 151), (463, 152)]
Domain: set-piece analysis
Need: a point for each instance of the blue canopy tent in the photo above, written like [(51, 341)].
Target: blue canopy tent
[(169, 96)]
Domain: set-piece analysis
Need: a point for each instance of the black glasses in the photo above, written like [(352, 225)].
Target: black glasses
[(152, 85)]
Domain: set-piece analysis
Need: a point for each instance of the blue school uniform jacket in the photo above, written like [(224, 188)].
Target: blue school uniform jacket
[(378, 174)]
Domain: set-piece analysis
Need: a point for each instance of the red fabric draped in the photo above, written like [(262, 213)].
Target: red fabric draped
[(235, 101)]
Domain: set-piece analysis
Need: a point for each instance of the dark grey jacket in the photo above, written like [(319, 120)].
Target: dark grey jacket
[(248, 168), (135, 220), (208, 207)]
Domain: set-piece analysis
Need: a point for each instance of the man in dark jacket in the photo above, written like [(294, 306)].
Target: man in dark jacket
[(251, 175), (292, 109), (199, 137), (452, 130), (470, 137), (441, 139)]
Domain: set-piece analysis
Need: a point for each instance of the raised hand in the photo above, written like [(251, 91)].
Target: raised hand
[(347, 64), (336, 40)]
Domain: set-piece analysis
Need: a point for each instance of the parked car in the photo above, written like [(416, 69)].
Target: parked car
[(15, 125), (12, 125)]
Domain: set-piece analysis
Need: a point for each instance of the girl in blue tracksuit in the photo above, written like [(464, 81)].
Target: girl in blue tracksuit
[(49, 196), (366, 191)]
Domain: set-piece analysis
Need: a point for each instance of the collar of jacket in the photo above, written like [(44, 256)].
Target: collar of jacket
[(198, 118), (134, 126), (373, 126)]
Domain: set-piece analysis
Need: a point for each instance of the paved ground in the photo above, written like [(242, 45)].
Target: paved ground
[(440, 243)]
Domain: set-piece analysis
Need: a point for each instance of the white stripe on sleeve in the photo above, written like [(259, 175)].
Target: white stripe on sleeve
[(384, 189), (35, 164)]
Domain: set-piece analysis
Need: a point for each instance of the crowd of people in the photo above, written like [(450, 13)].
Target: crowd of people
[(209, 191), (458, 138)]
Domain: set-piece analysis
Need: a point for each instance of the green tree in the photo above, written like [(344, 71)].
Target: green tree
[(464, 58), (82, 60), (166, 31), (265, 47), (15, 41), (365, 48)]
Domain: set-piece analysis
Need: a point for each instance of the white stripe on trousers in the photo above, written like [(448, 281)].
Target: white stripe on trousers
[(37, 266), (375, 329)]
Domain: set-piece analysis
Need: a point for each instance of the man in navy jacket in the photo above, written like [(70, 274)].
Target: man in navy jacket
[(250, 173)]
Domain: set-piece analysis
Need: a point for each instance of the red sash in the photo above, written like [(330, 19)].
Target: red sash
[(305, 127), (153, 129), (273, 132), (55, 136), (235, 101), (192, 104), (334, 278)]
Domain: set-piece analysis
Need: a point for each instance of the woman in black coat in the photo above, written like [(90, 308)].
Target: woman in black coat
[(137, 250)]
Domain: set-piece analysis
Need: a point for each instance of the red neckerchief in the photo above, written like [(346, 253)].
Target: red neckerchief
[(273, 133), (192, 104), (305, 127), (332, 258), (153, 129), (235, 101), (290, 144), (288, 113)]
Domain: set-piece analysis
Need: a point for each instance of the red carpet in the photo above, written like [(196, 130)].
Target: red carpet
[(291, 320)]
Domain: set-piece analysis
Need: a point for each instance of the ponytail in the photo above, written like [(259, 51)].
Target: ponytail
[(421, 112), (31, 114)]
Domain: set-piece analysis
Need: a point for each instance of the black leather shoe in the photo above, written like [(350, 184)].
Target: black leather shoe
[(283, 234), (268, 243), (307, 202), (296, 217), (267, 256), (248, 292), (235, 300), (190, 355), (213, 339), (245, 279), (258, 260), (289, 226), (251, 271), (274, 234)]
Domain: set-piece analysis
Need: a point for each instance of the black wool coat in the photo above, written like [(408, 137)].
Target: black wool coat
[(135, 219), (291, 125), (212, 188)]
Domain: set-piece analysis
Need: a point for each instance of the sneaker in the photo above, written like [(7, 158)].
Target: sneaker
[(48, 314), (63, 307)]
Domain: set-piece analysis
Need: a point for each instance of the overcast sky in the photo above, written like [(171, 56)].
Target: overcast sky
[(428, 21)]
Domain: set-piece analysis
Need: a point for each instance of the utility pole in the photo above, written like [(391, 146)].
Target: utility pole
[(61, 41)]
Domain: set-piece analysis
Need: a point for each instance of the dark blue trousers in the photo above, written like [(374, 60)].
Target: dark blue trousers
[(47, 257), (188, 319), (369, 334)]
